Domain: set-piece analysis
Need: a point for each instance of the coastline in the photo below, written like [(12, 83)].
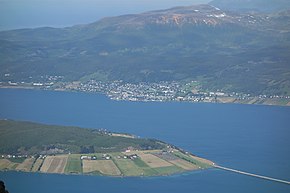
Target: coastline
[(161, 168), (252, 101), (74, 150), (184, 173)]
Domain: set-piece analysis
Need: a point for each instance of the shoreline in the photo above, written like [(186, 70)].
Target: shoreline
[(200, 102), (104, 153), (108, 176), (192, 163)]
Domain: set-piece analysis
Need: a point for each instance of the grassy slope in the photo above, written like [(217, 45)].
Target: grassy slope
[(32, 138)]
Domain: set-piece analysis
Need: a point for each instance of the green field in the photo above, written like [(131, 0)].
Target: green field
[(17, 160), (147, 171), (191, 160), (128, 168), (169, 170), (74, 164)]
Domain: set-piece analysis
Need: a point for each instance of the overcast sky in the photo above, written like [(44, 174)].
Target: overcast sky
[(16, 14)]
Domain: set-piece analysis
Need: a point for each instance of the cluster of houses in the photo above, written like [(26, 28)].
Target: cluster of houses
[(22, 156), (42, 156), (108, 157), (13, 156), (132, 157), (85, 157)]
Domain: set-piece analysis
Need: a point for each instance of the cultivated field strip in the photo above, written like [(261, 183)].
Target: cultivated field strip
[(5, 164), (183, 164), (26, 165), (154, 161), (106, 167), (54, 164), (202, 160), (128, 167), (36, 165)]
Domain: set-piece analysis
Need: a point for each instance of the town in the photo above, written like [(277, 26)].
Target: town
[(163, 91)]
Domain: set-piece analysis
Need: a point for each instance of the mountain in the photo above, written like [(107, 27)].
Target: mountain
[(252, 5), (238, 52)]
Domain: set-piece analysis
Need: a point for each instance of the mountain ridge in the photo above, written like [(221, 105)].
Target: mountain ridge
[(172, 44)]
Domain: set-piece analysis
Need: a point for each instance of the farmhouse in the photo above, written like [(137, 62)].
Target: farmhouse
[(106, 156), (85, 157), (132, 157)]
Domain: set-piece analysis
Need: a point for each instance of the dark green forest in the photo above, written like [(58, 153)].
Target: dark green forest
[(23, 138)]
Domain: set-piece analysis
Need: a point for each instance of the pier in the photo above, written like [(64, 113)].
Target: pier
[(253, 175)]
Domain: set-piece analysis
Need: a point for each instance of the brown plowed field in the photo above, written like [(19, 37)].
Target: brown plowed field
[(54, 164)]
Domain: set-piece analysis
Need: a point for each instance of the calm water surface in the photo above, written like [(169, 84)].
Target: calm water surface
[(246, 137)]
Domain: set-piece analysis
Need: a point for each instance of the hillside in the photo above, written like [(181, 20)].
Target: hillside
[(31, 138), (235, 52)]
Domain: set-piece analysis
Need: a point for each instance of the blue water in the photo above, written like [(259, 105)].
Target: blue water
[(246, 137)]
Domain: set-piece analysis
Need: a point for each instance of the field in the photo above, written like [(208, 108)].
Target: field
[(203, 161), (169, 170), (6, 164), (154, 161), (133, 163), (74, 164), (197, 161), (129, 168), (184, 164), (122, 135), (106, 167), (54, 164), (37, 164), (26, 165)]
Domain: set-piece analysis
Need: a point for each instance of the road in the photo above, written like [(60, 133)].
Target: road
[(253, 175)]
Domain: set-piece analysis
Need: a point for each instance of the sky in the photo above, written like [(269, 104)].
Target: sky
[(16, 14)]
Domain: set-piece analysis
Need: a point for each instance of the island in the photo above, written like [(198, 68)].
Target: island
[(34, 147)]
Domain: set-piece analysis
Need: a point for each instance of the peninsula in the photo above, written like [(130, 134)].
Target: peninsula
[(33, 147)]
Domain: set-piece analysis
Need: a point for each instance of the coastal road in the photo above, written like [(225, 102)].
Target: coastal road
[(253, 175)]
